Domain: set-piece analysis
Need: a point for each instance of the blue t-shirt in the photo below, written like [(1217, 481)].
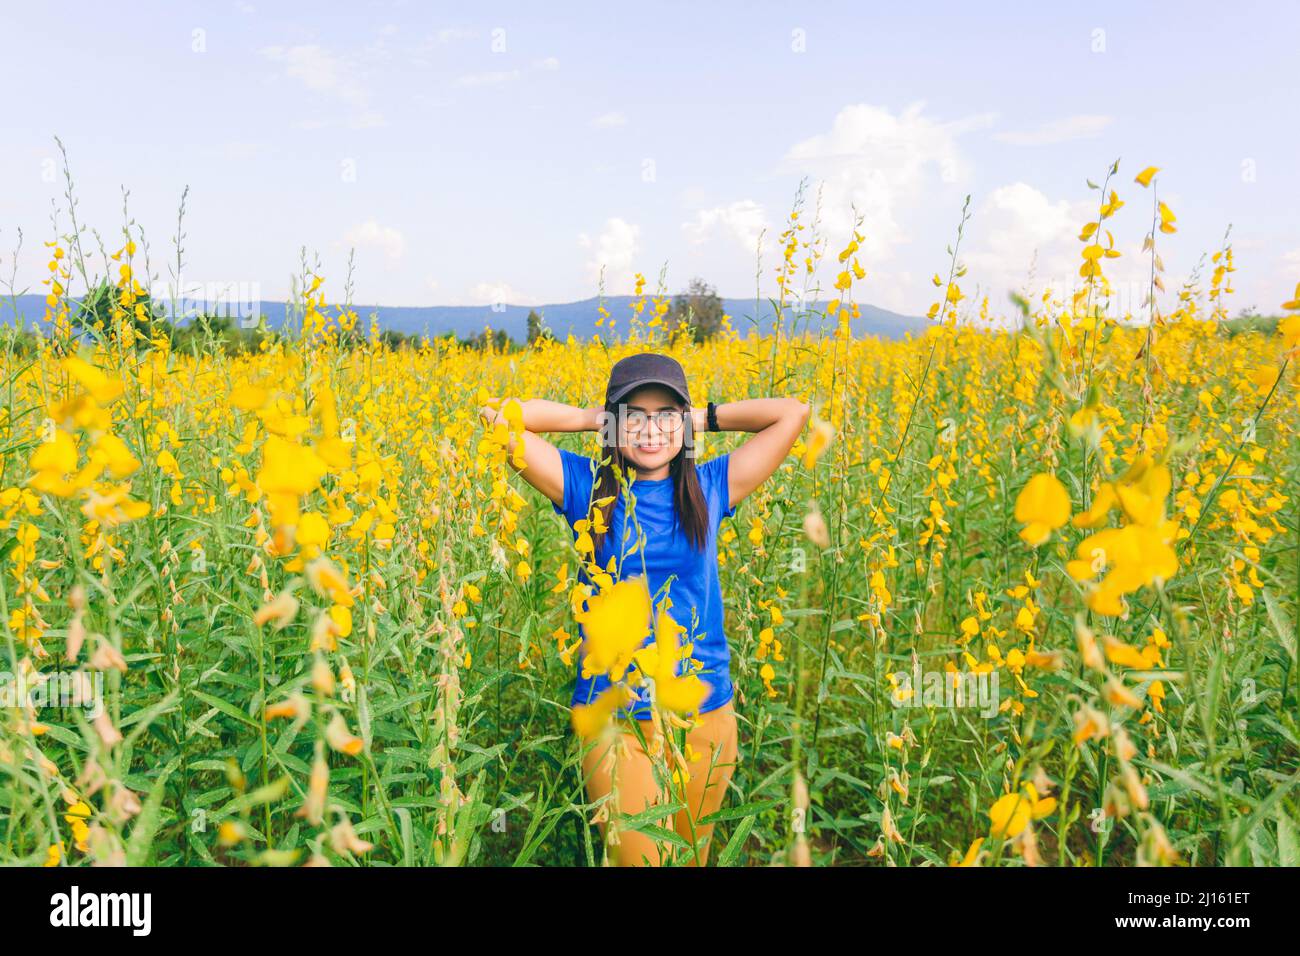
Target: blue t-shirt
[(695, 591)]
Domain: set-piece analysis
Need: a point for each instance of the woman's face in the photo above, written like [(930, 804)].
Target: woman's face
[(651, 427)]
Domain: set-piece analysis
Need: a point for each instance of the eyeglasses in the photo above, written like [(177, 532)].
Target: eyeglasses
[(669, 420)]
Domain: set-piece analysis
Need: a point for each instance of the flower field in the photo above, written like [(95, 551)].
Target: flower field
[(1025, 593)]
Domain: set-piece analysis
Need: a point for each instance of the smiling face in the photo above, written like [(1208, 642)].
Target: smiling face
[(652, 430)]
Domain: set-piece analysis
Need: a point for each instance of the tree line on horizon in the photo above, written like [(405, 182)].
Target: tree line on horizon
[(698, 308)]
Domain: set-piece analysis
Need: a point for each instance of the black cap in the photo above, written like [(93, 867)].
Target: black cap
[(647, 368)]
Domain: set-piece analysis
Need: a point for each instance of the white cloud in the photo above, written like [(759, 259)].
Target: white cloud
[(1058, 131), (895, 291), (609, 120), (614, 251), (313, 66), (492, 78), (427, 50), (386, 239), (882, 165), (1284, 288), (501, 77), (1030, 215), (329, 74), (453, 34), (743, 220), (1018, 230), (239, 150)]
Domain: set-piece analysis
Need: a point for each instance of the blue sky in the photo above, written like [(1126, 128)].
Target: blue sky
[(509, 151)]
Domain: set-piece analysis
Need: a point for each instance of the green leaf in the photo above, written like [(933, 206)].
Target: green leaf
[(635, 820), (363, 715), (146, 824), (745, 809), (268, 794), (1288, 840), (230, 710), (1284, 633), (664, 834), (737, 842)]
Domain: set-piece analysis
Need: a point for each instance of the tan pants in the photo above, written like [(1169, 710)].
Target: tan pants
[(714, 739)]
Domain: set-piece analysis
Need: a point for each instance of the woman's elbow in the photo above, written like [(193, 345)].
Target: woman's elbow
[(801, 410)]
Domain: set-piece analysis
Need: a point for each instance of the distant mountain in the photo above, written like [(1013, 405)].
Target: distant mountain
[(563, 319)]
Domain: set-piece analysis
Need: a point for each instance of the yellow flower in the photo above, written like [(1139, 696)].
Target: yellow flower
[(230, 833), (313, 532), (590, 719), (289, 468), (1142, 491), (313, 807), (1156, 692), (1265, 377), (972, 856), (249, 398), (1089, 724), (52, 461), (328, 581), (1012, 812), (1126, 655), (1098, 509), (167, 464), (281, 609), (341, 615), (1294, 304), (340, 738), (111, 452), (296, 706), (1042, 506), (1290, 331), (615, 624), (1167, 219), (681, 694), (1134, 556), (101, 388), (114, 506), (1121, 696), (818, 442), (1144, 178)]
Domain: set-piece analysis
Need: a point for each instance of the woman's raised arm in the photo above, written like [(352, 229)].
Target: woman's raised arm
[(776, 422), (542, 468)]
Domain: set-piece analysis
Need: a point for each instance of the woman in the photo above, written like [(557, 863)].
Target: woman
[(647, 428)]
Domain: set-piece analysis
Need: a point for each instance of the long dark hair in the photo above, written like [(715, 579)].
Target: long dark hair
[(692, 511)]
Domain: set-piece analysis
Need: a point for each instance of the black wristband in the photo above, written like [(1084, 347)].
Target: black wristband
[(713, 418)]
